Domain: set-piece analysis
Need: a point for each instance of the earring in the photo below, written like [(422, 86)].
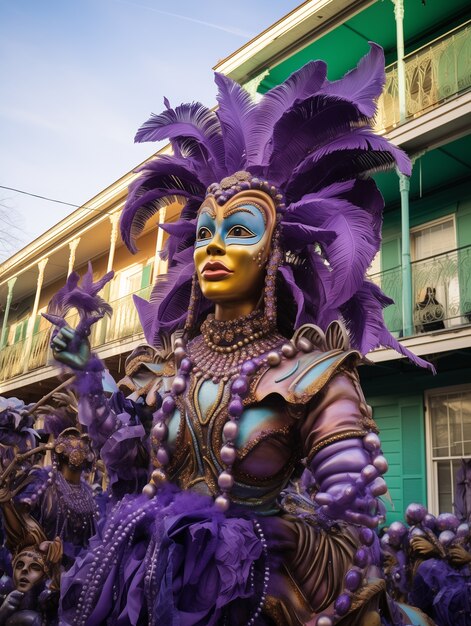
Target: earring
[(258, 258), (274, 262), (193, 304)]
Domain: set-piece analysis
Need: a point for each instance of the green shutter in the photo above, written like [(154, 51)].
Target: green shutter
[(146, 275), (391, 283), (401, 424), (463, 233), (37, 321)]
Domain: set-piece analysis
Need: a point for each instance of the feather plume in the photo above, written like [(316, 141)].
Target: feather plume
[(195, 126), (301, 85), (351, 252), (296, 293), (236, 114), (303, 128), (363, 85), (83, 298), (297, 235), (358, 139)]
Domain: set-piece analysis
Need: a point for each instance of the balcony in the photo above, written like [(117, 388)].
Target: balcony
[(441, 291), (124, 324), (434, 74)]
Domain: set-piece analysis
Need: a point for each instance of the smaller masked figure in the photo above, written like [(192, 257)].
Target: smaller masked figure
[(31, 597), (64, 503), (36, 571)]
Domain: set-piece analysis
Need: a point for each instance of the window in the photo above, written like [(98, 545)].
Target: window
[(433, 239), (449, 439), (435, 280), (127, 281)]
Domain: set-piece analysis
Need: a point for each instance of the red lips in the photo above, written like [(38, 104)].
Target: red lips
[(215, 270)]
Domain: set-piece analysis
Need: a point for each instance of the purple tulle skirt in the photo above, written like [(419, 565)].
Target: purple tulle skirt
[(172, 560)]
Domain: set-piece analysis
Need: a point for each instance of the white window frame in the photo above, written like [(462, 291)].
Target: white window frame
[(432, 473), (120, 279), (425, 225)]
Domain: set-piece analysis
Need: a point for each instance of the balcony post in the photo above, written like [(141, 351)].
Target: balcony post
[(159, 245), (11, 284), (34, 312), (407, 318), (401, 68), (114, 220), (73, 248)]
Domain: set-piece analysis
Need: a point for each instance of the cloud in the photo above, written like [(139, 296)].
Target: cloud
[(226, 29)]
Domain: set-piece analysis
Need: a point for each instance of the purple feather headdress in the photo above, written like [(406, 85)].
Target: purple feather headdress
[(312, 140)]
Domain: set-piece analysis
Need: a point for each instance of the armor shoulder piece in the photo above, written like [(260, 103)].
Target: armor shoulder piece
[(298, 379)]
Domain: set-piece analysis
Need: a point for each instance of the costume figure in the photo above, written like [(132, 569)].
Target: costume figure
[(428, 564), (255, 380), (59, 497), (36, 563)]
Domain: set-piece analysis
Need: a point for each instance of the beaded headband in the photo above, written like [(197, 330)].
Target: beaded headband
[(242, 181)]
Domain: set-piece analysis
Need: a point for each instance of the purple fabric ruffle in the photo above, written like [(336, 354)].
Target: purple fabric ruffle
[(443, 592), (171, 560)]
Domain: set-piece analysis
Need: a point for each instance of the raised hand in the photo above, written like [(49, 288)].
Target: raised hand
[(70, 348), (10, 605)]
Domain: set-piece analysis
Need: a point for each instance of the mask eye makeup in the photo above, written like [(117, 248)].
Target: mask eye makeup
[(240, 231), (203, 233)]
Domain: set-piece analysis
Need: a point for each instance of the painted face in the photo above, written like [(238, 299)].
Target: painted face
[(233, 245), (27, 571)]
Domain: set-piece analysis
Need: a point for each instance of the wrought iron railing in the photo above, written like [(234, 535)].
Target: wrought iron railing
[(441, 292), (441, 286), (40, 350), (124, 323), (434, 73), (12, 360), (390, 282)]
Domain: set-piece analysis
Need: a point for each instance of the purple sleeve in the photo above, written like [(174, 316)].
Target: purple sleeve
[(114, 428)]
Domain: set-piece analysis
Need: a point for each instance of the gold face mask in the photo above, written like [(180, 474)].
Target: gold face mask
[(233, 246), (28, 571)]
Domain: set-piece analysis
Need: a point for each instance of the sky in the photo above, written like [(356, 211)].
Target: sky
[(78, 77)]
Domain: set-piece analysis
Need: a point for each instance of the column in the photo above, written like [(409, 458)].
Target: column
[(3, 338), (34, 312), (158, 246), (114, 220), (401, 68), (73, 247), (407, 315), (252, 85)]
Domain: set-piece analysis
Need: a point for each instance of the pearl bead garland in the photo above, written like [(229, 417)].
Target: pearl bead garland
[(240, 388)]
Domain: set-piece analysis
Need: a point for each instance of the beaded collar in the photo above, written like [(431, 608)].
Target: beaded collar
[(219, 352), (231, 335)]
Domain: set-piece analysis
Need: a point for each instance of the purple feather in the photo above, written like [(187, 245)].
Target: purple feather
[(335, 167), (301, 85), (364, 318), (297, 235), (309, 124), (82, 297), (351, 252), (193, 123), (363, 85), (296, 293), (236, 114), (181, 228), (356, 139)]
